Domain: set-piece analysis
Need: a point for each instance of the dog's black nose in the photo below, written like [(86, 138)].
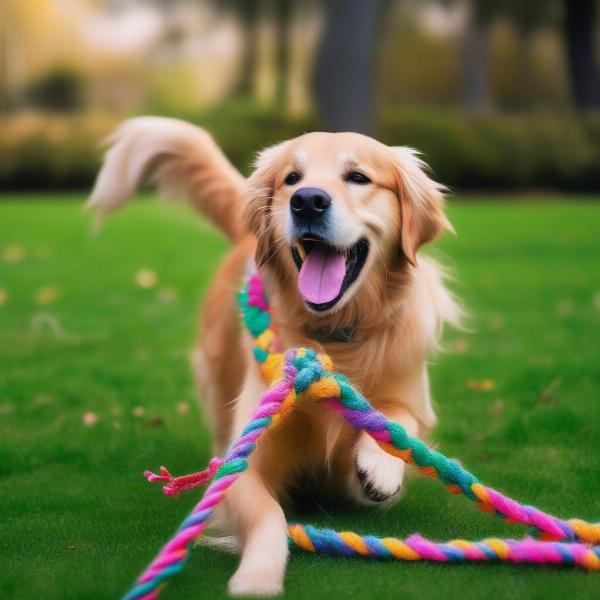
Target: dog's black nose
[(308, 204)]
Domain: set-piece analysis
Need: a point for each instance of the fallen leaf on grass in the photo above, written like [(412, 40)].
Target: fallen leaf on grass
[(496, 322), (547, 394), (6, 409), (183, 408), (43, 400), (460, 346), (41, 322), (155, 421), (138, 411), (142, 354), (47, 294), (14, 254), (565, 308), (481, 385), (90, 419), (146, 278), (167, 295), (3, 296), (496, 408)]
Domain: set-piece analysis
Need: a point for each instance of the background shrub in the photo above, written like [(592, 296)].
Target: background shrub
[(60, 89), (501, 152)]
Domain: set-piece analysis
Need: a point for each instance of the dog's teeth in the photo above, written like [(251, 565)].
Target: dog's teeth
[(300, 249)]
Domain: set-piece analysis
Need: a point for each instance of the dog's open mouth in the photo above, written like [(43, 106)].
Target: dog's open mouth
[(326, 272)]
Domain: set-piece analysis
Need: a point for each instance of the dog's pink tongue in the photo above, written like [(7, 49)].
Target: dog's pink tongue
[(321, 275)]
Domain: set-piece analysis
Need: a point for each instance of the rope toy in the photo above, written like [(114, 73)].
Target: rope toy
[(302, 375)]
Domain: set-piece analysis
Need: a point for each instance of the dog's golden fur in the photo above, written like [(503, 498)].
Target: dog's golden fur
[(397, 305)]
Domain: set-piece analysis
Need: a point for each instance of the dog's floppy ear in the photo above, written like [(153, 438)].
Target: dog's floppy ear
[(259, 197), (421, 202)]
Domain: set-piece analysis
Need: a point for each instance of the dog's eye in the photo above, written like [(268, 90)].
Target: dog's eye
[(293, 178), (357, 177)]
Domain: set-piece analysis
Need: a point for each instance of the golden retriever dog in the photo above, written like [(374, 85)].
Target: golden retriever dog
[(334, 222)]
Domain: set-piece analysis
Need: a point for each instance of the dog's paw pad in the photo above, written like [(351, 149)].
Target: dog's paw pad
[(379, 476)]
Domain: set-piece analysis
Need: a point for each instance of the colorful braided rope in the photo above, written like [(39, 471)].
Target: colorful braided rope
[(302, 375)]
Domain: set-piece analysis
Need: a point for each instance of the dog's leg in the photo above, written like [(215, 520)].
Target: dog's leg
[(260, 523), (252, 512), (378, 476)]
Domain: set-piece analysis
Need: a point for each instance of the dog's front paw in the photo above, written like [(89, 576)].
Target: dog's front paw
[(255, 582), (379, 476)]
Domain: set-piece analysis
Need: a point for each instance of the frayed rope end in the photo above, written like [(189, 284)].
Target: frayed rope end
[(175, 485)]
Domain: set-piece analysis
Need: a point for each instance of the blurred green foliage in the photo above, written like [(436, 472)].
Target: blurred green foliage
[(502, 151), (51, 151), (499, 151)]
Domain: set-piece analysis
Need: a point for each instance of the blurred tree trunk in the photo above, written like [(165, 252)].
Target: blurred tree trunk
[(4, 57), (477, 63), (580, 21), (7, 59), (248, 11), (283, 12), (343, 77)]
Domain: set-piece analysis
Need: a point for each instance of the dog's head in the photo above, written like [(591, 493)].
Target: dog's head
[(339, 208)]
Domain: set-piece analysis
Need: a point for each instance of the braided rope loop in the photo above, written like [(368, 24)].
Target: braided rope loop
[(303, 375)]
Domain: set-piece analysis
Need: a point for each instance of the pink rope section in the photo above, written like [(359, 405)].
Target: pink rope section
[(173, 555)]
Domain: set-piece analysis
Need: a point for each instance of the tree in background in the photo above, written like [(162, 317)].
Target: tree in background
[(248, 12), (343, 79), (7, 43), (343, 82), (580, 27), (34, 35), (477, 87), (59, 89), (525, 18), (283, 14)]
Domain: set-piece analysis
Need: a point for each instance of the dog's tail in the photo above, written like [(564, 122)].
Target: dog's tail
[(181, 160)]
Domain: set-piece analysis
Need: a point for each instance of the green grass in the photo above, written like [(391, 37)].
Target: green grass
[(77, 519)]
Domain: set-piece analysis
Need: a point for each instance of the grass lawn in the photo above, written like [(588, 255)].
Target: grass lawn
[(95, 387)]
